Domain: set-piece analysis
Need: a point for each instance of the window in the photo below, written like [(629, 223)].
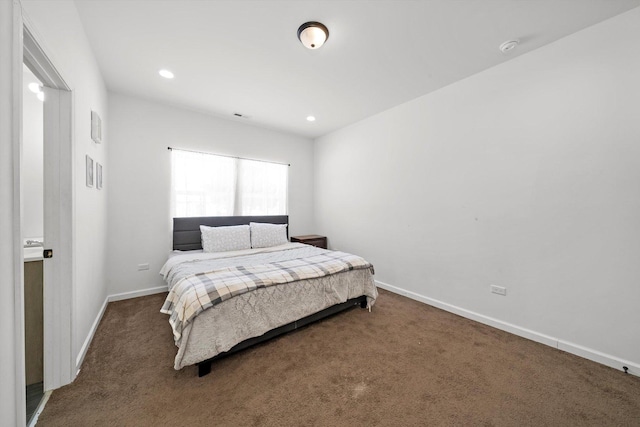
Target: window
[(210, 185)]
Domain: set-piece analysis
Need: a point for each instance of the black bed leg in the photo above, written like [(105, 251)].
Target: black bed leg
[(204, 368)]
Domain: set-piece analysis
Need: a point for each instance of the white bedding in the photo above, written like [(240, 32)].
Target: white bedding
[(178, 257), (249, 315)]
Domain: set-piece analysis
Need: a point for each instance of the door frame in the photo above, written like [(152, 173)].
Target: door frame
[(21, 44), (59, 214)]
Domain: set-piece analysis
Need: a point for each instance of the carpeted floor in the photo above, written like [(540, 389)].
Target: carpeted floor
[(403, 364)]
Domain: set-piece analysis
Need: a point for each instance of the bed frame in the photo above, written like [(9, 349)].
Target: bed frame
[(186, 236)]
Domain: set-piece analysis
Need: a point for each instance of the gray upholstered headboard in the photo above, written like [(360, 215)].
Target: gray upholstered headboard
[(186, 231)]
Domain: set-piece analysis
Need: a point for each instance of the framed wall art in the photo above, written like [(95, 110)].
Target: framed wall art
[(98, 176), (96, 127), (89, 162)]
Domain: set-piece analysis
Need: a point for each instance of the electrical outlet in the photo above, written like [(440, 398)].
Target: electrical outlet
[(142, 267), (498, 290)]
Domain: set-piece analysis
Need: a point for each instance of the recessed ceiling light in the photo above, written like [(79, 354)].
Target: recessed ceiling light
[(34, 87), (166, 74), (311, 119)]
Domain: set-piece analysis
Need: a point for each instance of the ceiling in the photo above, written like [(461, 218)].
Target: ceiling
[(244, 57)]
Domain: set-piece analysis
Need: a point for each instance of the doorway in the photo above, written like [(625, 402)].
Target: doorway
[(33, 232), (57, 201)]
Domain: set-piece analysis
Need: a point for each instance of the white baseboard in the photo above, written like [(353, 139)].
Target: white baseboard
[(136, 294), (587, 353), (96, 322), (87, 341)]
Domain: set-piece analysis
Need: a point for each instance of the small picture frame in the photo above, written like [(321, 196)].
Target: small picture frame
[(96, 127), (98, 176), (89, 162)]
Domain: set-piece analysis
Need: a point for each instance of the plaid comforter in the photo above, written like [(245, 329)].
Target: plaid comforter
[(197, 292)]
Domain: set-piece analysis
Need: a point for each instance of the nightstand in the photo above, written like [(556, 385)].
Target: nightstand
[(311, 239)]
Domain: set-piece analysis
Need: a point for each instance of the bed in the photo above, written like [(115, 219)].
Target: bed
[(260, 292)]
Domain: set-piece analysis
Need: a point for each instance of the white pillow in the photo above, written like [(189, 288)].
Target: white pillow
[(223, 239), (264, 235)]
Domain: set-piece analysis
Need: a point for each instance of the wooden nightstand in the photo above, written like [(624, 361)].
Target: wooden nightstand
[(311, 239)]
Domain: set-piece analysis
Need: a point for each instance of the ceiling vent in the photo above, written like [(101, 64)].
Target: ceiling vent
[(508, 46)]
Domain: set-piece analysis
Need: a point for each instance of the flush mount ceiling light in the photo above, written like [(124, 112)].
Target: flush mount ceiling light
[(166, 74), (313, 34), (311, 119), (508, 46)]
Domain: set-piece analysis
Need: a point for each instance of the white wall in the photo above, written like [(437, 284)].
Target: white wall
[(58, 25), (139, 178), (525, 175), (11, 379), (32, 166)]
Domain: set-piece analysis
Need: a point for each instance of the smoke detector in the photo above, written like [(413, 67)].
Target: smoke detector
[(508, 46)]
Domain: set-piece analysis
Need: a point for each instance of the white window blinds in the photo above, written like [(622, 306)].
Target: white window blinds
[(211, 185)]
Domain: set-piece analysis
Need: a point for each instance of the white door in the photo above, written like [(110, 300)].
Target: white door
[(58, 233)]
